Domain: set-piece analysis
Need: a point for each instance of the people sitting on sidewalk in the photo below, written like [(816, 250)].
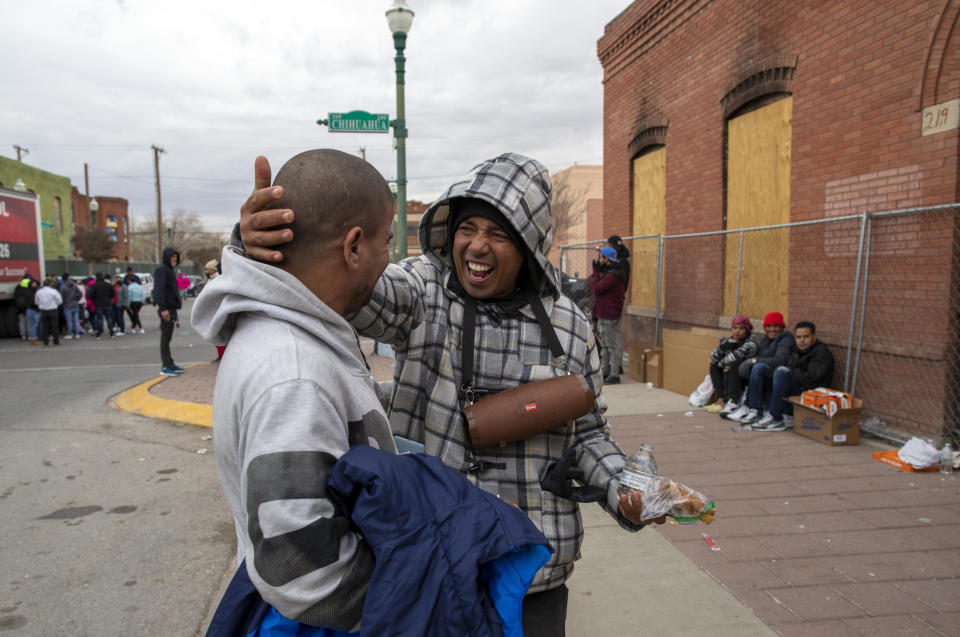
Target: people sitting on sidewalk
[(774, 350), (725, 362), (608, 287), (810, 366)]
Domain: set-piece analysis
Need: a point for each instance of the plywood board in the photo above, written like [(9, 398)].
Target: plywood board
[(649, 217), (758, 194)]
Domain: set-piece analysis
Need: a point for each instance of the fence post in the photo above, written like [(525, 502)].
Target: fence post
[(853, 307), (863, 307), (736, 302), (656, 324)]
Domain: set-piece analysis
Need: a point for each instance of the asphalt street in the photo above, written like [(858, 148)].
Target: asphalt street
[(110, 523)]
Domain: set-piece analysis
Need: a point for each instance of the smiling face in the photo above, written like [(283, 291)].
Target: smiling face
[(772, 331), (487, 261)]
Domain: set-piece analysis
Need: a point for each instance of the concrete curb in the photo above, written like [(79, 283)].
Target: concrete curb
[(138, 400)]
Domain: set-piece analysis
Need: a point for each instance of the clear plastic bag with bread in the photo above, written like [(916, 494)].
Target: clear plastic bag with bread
[(685, 505)]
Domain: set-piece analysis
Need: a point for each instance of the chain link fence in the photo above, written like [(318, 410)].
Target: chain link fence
[(883, 289)]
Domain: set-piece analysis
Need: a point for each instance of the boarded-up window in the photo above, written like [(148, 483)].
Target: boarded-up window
[(649, 217), (758, 194)]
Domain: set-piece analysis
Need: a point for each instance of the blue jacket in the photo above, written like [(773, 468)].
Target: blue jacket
[(450, 559), (436, 538)]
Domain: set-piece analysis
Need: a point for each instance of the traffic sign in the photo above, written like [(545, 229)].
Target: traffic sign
[(358, 122)]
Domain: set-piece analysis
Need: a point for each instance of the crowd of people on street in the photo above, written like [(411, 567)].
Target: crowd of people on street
[(63, 308)]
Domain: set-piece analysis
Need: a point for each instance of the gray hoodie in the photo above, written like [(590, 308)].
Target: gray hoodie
[(293, 394)]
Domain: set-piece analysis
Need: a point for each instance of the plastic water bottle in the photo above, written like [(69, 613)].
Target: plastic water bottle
[(638, 470), (946, 459)]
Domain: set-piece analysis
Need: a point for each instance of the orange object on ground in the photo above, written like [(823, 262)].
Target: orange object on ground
[(891, 458)]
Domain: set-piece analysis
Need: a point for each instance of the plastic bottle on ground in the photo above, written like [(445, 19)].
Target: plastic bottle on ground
[(638, 471), (946, 459)]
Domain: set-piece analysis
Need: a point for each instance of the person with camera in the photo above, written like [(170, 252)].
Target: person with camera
[(609, 288)]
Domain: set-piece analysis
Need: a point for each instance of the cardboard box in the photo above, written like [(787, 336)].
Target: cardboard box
[(843, 428), (891, 458), (654, 367), (644, 364), (686, 358)]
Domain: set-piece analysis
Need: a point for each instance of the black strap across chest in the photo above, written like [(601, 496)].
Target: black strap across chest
[(468, 345)]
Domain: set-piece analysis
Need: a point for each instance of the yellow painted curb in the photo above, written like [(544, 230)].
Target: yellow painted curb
[(139, 400)]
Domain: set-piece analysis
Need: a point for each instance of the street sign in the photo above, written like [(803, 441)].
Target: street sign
[(359, 122)]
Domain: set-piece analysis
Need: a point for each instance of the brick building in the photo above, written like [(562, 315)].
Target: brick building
[(111, 214), (727, 114)]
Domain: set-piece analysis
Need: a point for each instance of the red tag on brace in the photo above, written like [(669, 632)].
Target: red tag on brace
[(530, 407)]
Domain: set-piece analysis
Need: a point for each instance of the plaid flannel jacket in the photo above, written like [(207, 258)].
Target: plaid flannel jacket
[(413, 308)]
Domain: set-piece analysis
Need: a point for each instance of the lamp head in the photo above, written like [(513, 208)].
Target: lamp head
[(399, 17), (94, 205)]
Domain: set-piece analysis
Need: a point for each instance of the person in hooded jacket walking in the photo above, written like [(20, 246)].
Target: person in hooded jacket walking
[(72, 296), (167, 298), (478, 313)]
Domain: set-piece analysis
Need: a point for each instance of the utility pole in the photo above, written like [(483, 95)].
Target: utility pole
[(21, 151), (156, 175), (363, 153)]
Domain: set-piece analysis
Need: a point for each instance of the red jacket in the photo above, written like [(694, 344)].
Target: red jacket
[(608, 291)]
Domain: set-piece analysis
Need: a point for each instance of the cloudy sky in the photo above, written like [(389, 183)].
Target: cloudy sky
[(215, 83)]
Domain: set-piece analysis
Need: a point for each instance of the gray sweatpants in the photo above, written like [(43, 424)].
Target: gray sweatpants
[(611, 357)]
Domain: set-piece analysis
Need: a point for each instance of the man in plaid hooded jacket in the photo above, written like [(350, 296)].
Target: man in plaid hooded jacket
[(419, 306)]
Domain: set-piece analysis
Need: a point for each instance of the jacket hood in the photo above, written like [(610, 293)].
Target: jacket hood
[(167, 253), (248, 286), (517, 186)]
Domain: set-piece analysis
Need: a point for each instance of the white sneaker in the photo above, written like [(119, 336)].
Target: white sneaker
[(729, 408), (763, 422), (141, 331), (750, 417), (737, 413), (67, 337)]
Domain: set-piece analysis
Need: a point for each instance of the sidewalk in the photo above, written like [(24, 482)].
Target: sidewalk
[(814, 540)]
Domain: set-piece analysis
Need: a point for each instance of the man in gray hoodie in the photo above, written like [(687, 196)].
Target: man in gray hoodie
[(293, 390)]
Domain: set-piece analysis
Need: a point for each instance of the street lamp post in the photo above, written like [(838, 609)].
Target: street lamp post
[(400, 19)]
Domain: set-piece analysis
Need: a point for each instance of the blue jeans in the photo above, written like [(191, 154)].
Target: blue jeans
[(772, 389), (33, 323), (101, 320), (118, 318), (72, 316)]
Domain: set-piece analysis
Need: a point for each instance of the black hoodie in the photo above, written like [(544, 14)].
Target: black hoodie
[(165, 292)]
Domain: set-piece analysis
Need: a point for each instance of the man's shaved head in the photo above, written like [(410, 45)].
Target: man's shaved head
[(330, 192)]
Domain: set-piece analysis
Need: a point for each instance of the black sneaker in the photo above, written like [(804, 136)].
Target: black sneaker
[(612, 380), (169, 371), (177, 368)]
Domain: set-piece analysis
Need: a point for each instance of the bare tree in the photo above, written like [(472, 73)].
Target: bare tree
[(567, 208), (93, 245), (184, 231)]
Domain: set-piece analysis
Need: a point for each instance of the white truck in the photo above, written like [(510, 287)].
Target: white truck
[(21, 251)]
